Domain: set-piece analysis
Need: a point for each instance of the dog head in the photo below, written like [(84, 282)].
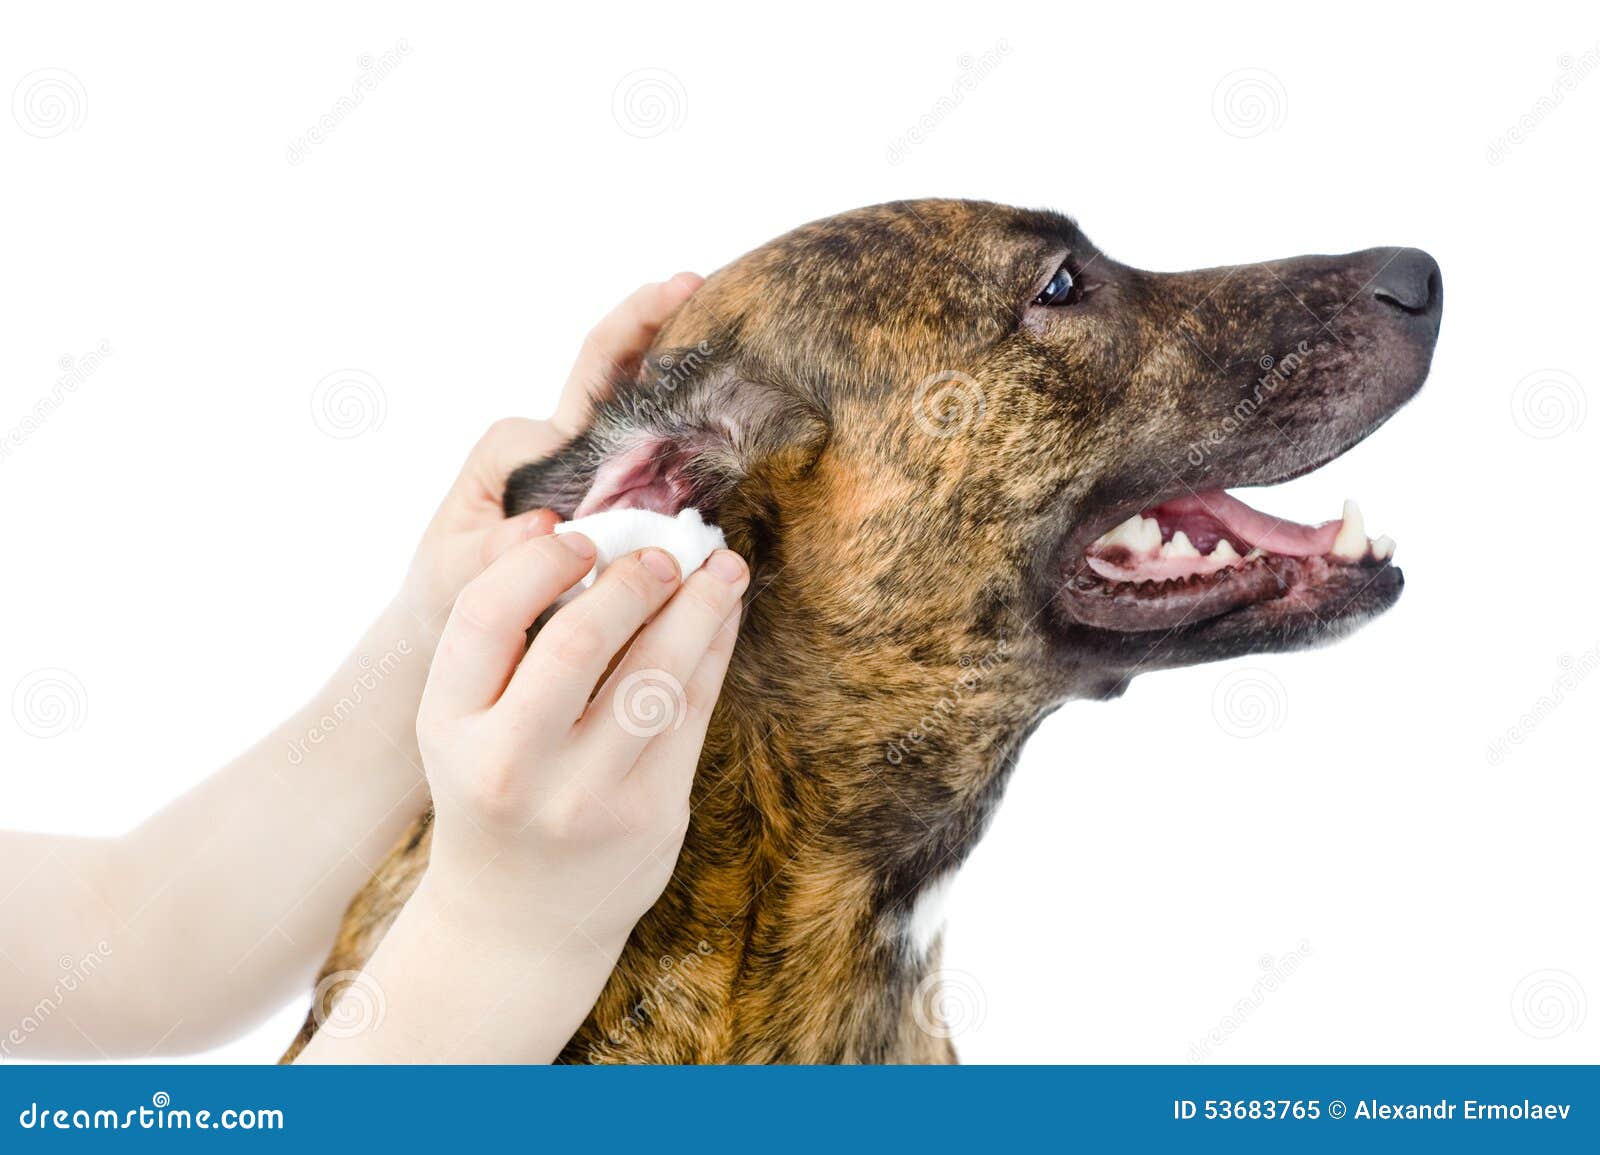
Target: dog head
[(938, 427)]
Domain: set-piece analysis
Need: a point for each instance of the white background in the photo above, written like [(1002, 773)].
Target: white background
[(189, 542)]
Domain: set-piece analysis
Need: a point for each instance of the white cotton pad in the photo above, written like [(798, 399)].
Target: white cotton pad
[(618, 532)]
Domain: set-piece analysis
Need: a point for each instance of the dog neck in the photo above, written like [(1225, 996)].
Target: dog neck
[(799, 923)]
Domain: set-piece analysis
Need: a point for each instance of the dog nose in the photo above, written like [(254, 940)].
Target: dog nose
[(1410, 282)]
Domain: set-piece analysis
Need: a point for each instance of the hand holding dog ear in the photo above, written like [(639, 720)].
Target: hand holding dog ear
[(469, 530), (560, 775), (561, 771)]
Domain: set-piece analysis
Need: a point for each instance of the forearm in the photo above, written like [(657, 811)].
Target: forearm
[(251, 871), (458, 981), (215, 910), (552, 836)]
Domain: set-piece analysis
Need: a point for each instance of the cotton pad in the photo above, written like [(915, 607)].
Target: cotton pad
[(618, 532)]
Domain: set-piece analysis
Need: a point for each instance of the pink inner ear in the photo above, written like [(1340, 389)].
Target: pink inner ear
[(648, 476)]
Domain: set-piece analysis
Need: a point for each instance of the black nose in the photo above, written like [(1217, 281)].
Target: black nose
[(1410, 282)]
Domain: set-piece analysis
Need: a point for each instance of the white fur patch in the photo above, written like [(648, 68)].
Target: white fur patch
[(618, 532), (926, 920)]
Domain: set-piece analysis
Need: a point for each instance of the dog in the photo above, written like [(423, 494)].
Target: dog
[(978, 469)]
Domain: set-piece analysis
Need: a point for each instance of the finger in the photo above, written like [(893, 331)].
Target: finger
[(505, 534), (614, 347), (572, 651), (647, 695), (487, 630), (666, 768)]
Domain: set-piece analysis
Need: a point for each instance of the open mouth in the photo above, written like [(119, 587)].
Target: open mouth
[(1204, 554)]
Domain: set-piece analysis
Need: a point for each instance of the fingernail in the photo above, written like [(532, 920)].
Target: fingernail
[(578, 544), (727, 566), (660, 564)]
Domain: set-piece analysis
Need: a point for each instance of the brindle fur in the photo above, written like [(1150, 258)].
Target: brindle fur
[(903, 631)]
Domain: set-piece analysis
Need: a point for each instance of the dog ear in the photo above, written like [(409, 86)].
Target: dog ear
[(687, 432)]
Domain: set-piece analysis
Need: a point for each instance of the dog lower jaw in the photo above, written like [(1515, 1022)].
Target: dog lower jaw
[(1317, 586), (1303, 616)]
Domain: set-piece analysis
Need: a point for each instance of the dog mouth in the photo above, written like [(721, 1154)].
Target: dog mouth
[(1198, 556)]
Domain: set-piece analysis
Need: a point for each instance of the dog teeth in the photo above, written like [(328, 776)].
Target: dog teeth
[(1141, 537), (1179, 546), (1351, 544), (1137, 535)]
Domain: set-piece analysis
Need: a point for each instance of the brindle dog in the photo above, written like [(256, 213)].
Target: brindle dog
[(915, 421)]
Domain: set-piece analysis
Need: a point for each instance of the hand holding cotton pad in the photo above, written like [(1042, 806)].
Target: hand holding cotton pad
[(618, 532)]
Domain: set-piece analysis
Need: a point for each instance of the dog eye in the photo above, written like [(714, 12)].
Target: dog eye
[(1058, 291)]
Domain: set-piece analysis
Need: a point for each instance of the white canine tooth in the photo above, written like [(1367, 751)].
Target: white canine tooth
[(1383, 548), (1137, 535), (1351, 544), (1224, 551), (1179, 546), (1124, 534)]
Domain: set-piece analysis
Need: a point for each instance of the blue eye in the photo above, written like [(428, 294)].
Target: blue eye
[(1058, 291)]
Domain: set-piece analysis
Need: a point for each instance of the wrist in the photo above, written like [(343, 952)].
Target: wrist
[(417, 615), (512, 913)]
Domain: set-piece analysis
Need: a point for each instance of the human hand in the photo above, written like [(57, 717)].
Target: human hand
[(559, 807), (469, 530)]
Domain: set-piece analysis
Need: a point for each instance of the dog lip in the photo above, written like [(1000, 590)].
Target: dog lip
[(1287, 566), (1272, 583)]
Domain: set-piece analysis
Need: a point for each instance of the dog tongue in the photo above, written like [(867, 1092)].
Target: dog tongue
[(1256, 529)]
